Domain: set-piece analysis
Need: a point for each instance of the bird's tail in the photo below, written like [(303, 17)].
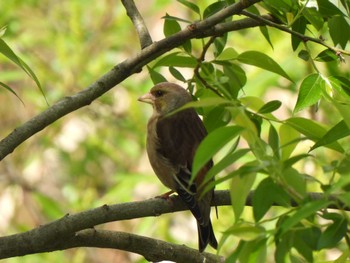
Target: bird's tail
[(206, 236)]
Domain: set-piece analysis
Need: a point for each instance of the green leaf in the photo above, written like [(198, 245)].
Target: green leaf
[(292, 160), (340, 130), (312, 130), (11, 90), (155, 76), (310, 91), (220, 43), (304, 55), (190, 5), (314, 17), (289, 139), (274, 141), (211, 144), (7, 52), (265, 32), (263, 61), (328, 9), (237, 78), (303, 212), (214, 8), (170, 27), (239, 190), (326, 55), (246, 231), (253, 251), (176, 60), (177, 74), (266, 194), (296, 181), (228, 54), (217, 117), (333, 233), (339, 29), (226, 161), (299, 26), (270, 106)]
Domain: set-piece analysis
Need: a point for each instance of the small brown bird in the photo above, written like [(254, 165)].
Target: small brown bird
[(171, 145)]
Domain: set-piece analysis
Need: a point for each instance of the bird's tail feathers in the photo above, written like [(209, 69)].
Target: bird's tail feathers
[(206, 236)]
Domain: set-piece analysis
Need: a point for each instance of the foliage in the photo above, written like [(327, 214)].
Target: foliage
[(279, 145), (276, 105)]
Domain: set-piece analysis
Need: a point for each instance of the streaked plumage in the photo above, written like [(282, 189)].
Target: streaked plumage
[(171, 144)]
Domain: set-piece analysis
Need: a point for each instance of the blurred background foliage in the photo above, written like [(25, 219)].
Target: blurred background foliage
[(96, 155)]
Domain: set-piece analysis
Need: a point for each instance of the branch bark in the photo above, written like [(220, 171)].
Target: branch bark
[(139, 23), (76, 230), (116, 75)]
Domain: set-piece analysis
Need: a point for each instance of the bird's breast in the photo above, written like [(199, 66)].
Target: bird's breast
[(161, 165)]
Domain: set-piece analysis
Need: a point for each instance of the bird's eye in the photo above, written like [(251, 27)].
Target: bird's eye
[(159, 93)]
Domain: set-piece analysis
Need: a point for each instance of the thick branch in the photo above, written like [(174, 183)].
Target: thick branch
[(114, 77), (144, 246), (139, 24), (62, 233)]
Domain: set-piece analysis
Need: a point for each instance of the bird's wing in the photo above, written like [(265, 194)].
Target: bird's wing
[(179, 136)]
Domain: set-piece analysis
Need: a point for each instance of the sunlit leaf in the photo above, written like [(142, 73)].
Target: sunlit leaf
[(337, 132), (240, 188), (263, 61), (312, 130), (289, 139), (228, 54), (310, 91)]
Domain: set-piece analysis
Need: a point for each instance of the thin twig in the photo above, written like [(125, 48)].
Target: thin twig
[(139, 24), (200, 60), (304, 38)]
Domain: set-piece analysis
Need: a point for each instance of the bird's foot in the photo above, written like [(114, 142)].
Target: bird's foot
[(165, 196)]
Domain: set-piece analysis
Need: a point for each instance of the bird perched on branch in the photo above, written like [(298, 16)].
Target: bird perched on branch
[(172, 141)]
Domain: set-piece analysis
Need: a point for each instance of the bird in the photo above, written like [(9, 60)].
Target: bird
[(172, 141)]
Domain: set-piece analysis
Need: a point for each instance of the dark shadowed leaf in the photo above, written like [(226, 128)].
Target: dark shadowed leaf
[(270, 106), (212, 144), (326, 55), (190, 5)]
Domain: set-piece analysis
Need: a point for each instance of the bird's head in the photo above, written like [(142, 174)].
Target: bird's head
[(166, 97)]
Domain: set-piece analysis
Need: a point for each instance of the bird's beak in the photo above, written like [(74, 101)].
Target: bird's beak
[(147, 98)]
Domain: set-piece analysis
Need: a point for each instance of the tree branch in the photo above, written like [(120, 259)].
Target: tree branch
[(112, 78), (139, 24), (66, 232), (304, 38), (151, 249)]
